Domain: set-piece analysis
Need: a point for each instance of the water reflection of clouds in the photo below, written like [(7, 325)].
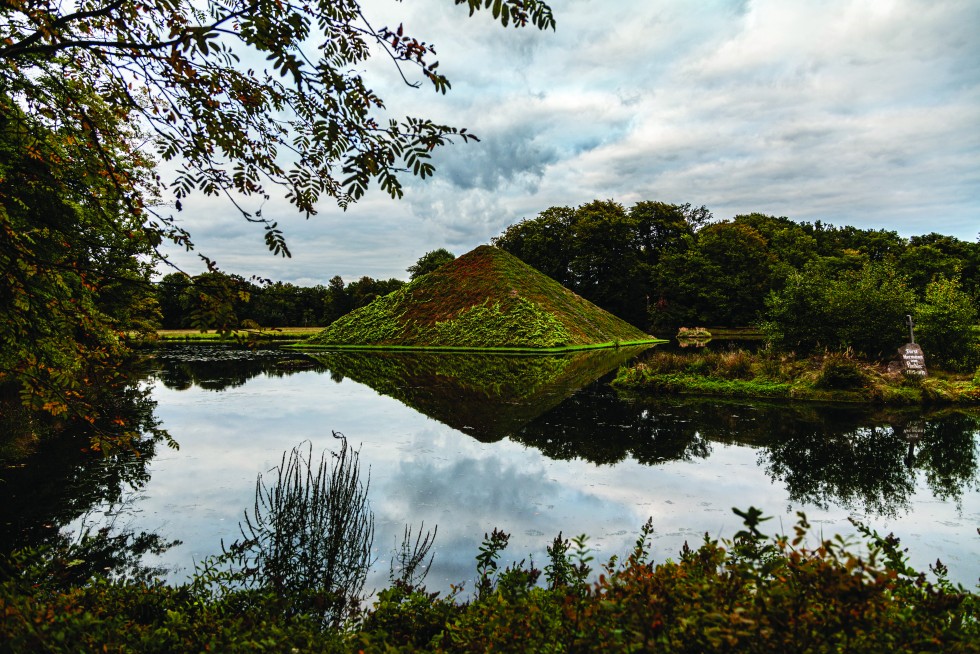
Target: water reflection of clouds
[(424, 471), (199, 493), (468, 496)]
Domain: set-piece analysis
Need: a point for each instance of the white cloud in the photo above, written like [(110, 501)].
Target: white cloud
[(852, 112)]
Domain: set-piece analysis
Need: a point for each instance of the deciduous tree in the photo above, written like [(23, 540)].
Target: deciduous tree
[(429, 262), (864, 310), (308, 121), (87, 87), (74, 281), (947, 325)]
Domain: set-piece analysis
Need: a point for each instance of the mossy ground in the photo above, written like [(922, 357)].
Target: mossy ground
[(486, 298), (767, 374)]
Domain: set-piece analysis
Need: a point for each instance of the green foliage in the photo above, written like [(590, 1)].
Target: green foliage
[(175, 66), (543, 243), (221, 301), (429, 262), (841, 371), (752, 593), (87, 89), (75, 283), (308, 539), (485, 298), (604, 252), (725, 276), (947, 326), (661, 265), (834, 376), (933, 256), (378, 322), (695, 384), (524, 325), (863, 309), (406, 617)]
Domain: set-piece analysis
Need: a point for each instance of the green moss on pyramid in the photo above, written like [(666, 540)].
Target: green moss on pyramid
[(486, 298)]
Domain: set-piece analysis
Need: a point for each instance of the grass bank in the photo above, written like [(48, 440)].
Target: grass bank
[(490, 350), (767, 374), (270, 334)]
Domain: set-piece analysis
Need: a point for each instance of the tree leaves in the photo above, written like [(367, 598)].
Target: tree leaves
[(275, 241), (87, 88), (308, 122), (73, 253)]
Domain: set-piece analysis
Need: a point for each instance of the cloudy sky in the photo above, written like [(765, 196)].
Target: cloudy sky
[(858, 112)]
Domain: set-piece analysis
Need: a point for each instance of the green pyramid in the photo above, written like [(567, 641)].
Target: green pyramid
[(485, 299)]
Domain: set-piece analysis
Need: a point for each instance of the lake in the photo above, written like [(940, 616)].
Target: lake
[(535, 446)]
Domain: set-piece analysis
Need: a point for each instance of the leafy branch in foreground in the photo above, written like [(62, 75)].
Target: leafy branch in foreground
[(94, 93), (307, 121)]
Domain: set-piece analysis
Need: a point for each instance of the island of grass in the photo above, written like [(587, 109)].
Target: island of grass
[(486, 299), (831, 377)]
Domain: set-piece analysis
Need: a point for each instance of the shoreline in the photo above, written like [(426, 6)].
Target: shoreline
[(476, 349), (832, 378)]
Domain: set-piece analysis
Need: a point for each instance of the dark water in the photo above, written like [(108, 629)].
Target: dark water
[(532, 445)]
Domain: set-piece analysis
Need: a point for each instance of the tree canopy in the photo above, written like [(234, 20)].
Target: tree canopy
[(661, 266), (429, 262), (73, 264), (307, 122), (95, 93)]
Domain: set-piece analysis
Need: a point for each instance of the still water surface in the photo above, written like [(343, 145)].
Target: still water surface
[(536, 446)]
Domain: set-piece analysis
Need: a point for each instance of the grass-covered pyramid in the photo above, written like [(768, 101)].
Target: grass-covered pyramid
[(486, 298)]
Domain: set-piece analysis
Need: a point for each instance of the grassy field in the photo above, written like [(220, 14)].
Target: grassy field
[(270, 334)]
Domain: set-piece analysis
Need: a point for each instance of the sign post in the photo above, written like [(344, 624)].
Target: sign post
[(910, 355)]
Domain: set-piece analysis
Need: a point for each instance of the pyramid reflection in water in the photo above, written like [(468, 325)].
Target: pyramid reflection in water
[(487, 396)]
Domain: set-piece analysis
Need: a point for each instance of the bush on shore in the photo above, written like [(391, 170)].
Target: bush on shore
[(753, 593), (832, 376)]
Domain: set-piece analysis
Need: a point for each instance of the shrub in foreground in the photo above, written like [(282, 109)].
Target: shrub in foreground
[(752, 593)]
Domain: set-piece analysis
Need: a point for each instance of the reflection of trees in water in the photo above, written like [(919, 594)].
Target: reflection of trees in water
[(844, 455), (873, 464), (69, 560), (948, 452), (62, 481), (600, 427), (217, 367), (862, 467)]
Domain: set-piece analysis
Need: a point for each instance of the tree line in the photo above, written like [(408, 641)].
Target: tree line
[(662, 265), (195, 302), (276, 304)]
